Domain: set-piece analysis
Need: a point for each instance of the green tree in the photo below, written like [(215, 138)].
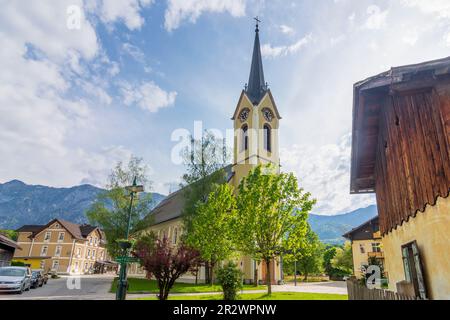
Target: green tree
[(307, 252), (204, 163), (111, 209), (343, 259), (10, 234), (271, 208), (328, 255), (211, 230)]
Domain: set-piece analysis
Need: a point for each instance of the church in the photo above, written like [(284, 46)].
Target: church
[(256, 122)]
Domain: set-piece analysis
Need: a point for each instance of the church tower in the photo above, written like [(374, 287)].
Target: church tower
[(256, 121)]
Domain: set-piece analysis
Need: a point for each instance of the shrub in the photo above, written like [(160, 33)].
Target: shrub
[(230, 278)]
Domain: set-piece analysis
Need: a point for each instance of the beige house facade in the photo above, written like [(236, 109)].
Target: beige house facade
[(366, 245), (61, 246)]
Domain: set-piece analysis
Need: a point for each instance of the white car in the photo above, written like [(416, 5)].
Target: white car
[(15, 279)]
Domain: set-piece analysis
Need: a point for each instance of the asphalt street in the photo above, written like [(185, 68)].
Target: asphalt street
[(68, 288)]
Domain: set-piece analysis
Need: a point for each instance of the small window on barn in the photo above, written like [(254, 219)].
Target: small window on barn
[(362, 249)]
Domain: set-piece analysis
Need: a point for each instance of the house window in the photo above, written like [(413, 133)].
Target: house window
[(88, 254), (78, 252), (362, 249), (412, 265), (376, 247), (61, 236), (86, 266), (267, 138), (44, 251), (175, 235), (90, 241), (58, 251), (56, 225), (55, 265), (47, 236), (42, 264), (244, 133), (93, 254)]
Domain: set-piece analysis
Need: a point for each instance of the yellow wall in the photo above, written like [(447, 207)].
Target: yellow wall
[(431, 231), (359, 258), (35, 263)]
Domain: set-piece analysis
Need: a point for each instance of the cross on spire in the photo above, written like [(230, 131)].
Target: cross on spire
[(257, 23)]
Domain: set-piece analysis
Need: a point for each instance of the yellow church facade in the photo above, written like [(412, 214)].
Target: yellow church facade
[(256, 121)]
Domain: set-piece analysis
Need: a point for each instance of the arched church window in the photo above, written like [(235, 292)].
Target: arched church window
[(244, 139), (267, 138)]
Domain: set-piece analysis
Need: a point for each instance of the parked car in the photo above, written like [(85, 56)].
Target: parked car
[(37, 278), (15, 279)]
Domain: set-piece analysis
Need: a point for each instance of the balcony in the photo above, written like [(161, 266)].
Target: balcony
[(377, 255)]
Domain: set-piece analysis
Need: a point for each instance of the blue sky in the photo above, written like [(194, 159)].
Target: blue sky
[(75, 101)]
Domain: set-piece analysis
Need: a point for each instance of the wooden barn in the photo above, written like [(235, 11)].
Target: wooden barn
[(401, 152)]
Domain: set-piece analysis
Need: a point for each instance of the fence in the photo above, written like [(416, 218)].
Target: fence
[(356, 291)]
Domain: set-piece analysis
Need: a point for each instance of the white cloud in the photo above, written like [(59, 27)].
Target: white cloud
[(440, 8), (286, 29), (148, 96), (127, 11), (376, 18), (179, 10), (267, 50), (41, 60), (325, 172)]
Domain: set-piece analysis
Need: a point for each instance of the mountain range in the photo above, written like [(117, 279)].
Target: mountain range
[(22, 204)]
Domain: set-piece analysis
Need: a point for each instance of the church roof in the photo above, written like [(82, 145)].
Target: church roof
[(257, 87), (172, 207)]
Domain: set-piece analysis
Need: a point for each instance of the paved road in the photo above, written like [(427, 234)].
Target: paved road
[(68, 288)]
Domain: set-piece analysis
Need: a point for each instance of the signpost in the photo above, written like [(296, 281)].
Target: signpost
[(127, 260)]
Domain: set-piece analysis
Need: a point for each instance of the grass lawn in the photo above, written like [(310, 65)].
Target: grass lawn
[(263, 296), (137, 285)]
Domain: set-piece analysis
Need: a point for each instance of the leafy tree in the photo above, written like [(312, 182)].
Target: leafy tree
[(111, 209), (230, 278), (165, 262), (211, 232), (343, 259), (271, 208), (328, 255), (307, 252), (204, 163), (13, 235)]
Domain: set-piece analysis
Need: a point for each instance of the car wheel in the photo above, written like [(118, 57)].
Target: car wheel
[(20, 291)]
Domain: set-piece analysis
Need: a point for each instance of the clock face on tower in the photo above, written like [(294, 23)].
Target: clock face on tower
[(244, 115), (267, 114)]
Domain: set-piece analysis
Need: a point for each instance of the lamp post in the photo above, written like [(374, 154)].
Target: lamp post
[(125, 245)]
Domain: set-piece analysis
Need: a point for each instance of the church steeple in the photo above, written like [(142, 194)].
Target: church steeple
[(257, 87)]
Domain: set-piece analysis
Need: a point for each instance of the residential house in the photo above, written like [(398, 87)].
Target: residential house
[(366, 246), (401, 152), (61, 246), (256, 121), (7, 248)]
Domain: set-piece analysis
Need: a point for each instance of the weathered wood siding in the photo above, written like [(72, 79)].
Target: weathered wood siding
[(413, 154)]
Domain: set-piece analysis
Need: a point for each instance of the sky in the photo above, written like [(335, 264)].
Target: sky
[(85, 84)]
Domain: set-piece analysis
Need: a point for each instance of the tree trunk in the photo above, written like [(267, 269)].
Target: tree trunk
[(196, 276), (255, 275), (268, 277), (306, 277), (212, 273), (295, 272), (207, 273)]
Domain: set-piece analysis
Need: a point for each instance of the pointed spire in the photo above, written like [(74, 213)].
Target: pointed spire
[(256, 84)]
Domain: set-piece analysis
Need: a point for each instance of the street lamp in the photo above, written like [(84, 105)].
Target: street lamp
[(126, 245)]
